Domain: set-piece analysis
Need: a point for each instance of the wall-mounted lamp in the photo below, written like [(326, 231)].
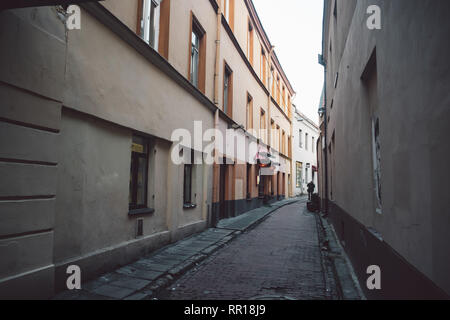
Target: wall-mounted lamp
[(321, 111)]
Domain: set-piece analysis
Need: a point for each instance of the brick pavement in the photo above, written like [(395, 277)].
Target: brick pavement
[(278, 259)]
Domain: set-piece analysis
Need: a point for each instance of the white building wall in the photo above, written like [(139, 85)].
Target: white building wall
[(304, 153)]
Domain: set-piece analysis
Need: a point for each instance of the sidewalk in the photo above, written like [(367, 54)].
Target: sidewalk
[(141, 279)]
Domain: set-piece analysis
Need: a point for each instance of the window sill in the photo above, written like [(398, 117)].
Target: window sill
[(189, 206), (140, 212)]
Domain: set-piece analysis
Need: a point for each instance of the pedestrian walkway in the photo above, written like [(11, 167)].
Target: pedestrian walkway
[(141, 279)]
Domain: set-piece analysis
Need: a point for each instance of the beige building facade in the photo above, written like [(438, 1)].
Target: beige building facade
[(87, 119)]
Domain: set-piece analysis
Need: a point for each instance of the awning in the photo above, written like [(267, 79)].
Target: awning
[(262, 157)]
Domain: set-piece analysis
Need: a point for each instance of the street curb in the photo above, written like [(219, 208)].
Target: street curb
[(169, 277), (337, 261), (347, 262), (332, 288), (266, 215)]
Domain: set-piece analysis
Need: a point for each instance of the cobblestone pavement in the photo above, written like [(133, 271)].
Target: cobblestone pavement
[(280, 258)]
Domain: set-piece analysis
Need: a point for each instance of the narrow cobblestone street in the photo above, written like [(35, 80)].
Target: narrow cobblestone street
[(280, 258)]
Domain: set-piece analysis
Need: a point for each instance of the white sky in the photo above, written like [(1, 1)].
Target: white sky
[(294, 27)]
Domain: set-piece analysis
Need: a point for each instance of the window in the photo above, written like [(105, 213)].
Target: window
[(278, 138), (283, 142), (299, 174), (332, 167), (283, 98), (376, 147), (138, 173), (195, 56), (300, 138), (273, 82), (250, 42), (263, 67), (228, 91), (335, 9), (149, 21), (370, 80), (289, 148), (189, 174), (228, 12), (313, 145), (197, 65), (306, 141), (273, 133), (278, 90), (249, 112), (187, 184), (289, 107), (262, 125)]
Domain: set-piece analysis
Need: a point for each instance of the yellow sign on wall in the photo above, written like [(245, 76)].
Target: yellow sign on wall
[(138, 148)]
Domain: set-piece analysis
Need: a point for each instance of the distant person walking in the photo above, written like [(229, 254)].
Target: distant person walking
[(311, 187)]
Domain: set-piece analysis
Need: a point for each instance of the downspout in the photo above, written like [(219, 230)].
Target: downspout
[(269, 138), (269, 119), (217, 63), (291, 182), (216, 166)]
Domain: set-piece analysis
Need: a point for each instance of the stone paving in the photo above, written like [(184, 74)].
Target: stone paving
[(144, 278), (278, 259)]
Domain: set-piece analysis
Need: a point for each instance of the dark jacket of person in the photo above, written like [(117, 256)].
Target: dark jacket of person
[(311, 187)]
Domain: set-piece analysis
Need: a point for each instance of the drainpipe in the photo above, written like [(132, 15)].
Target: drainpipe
[(291, 189), (269, 127), (217, 65), (216, 166), (269, 138)]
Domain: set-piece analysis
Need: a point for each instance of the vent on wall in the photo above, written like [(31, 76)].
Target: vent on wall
[(139, 228)]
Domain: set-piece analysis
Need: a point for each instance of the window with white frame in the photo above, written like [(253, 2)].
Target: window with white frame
[(300, 138), (150, 22), (306, 141), (195, 57)]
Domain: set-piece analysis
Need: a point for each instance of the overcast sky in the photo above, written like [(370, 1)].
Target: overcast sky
[(294, 27)]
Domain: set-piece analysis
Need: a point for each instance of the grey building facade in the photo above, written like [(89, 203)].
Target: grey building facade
[(387, 103)]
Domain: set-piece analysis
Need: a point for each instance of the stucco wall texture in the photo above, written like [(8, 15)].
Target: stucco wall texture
[(412, 101)]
